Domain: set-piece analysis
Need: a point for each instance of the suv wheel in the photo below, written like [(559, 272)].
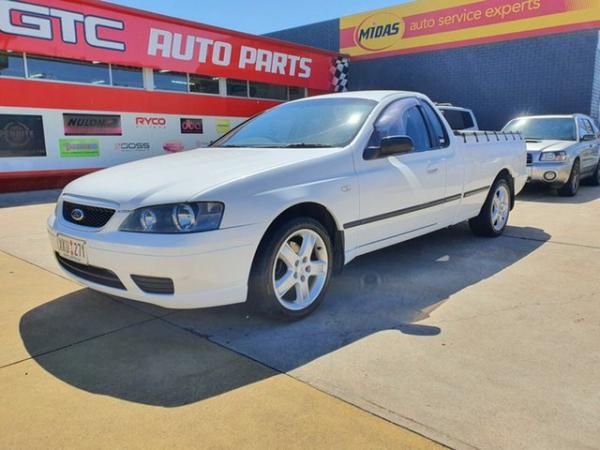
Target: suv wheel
[(292, 270), (572, 186), (595, 179)]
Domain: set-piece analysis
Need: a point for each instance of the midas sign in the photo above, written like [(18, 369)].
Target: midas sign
[(379, 31), (435, 24), (92, 31)]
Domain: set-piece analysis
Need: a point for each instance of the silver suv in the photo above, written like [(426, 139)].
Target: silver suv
[(561, 150)]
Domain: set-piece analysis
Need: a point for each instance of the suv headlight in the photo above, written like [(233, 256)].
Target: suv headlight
[(553, 156), (176, 218)]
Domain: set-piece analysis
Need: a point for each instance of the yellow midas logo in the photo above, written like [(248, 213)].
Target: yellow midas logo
[(379, 31)]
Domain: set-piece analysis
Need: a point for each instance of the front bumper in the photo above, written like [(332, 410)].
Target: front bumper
[(552, 174), (207, 269)]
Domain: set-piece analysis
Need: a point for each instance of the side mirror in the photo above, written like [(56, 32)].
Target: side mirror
[(392, 145), (588, 137)]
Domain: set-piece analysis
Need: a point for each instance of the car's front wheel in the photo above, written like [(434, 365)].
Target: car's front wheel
[(292, 270), (571, 188)]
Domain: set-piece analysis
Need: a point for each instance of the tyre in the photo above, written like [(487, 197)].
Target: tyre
[(594, 180), (292, 270), (572, 185), (493, 217)]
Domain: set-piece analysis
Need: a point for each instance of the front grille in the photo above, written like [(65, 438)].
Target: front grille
[(96, 275), (154, 285), (529, 158), (93, 216)]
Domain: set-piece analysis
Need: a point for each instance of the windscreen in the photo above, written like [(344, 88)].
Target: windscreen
[(314, 123), (551, 128)]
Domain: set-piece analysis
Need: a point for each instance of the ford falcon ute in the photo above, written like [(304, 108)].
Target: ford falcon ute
[(561, 150), (272, 210)]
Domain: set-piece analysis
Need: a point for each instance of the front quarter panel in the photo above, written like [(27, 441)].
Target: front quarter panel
[(258, 200)]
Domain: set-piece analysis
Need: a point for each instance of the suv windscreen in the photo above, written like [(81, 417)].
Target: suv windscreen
[(540, 129), (318, 123)]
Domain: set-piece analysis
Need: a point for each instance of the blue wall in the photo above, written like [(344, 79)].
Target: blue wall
[(323, 35), (542, 75)]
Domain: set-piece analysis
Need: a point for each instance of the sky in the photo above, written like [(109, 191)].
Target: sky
[(257, 16)]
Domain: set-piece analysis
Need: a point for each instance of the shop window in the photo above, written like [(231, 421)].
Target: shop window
[(270, 91), (165, 80), (204, 85), (296, 92), (67, 70), (127, 77), (11, 65), (237, 88)]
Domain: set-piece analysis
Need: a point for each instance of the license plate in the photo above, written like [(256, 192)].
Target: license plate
[(73, 249)]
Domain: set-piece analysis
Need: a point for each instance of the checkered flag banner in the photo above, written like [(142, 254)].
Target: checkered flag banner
[(340, 71)]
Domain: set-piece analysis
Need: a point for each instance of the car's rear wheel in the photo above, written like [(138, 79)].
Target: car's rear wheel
[(571, 187), (493, 218), (292, 270)]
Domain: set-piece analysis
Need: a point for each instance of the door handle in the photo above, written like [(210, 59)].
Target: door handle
[(433, 168)]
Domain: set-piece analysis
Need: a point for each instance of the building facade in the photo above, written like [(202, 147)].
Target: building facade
[(86, 85), (501, 58)]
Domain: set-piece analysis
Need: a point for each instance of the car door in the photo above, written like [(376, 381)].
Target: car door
[(593, 145), (399, 194), (586, 148)]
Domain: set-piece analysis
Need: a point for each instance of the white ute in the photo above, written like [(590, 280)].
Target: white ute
[(275, 207)]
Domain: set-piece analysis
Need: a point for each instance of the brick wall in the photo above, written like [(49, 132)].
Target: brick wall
[(541, 75), (323, 35), (596, 85)]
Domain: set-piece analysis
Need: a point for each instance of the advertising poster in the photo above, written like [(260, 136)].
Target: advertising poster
[(436, 24), (191, 126), (21, 135), (92, 125), (79, 148), (223, 126)]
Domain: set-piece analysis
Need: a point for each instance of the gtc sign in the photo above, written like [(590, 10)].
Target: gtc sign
[(99, 31), (26, 19)]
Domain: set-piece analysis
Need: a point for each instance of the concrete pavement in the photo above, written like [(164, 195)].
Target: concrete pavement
[(81, 370), (472, 342)]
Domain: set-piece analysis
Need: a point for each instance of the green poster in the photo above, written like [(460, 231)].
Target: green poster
[(79, 148), (223, 126)]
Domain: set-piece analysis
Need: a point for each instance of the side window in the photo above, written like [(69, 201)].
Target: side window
[(440, 137), (406, 118), (468, 119), (582, 128), (455, 119), (416, 129), (589, 129)]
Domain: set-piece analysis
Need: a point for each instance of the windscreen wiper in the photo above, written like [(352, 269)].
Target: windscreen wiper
[(305, 145)]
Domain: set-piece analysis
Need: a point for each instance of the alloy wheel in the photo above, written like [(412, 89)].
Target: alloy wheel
[(500, 208), (576, 179), (300, 269)]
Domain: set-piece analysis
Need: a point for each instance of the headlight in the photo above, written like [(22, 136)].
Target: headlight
[(553, 156), (177, 218)]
